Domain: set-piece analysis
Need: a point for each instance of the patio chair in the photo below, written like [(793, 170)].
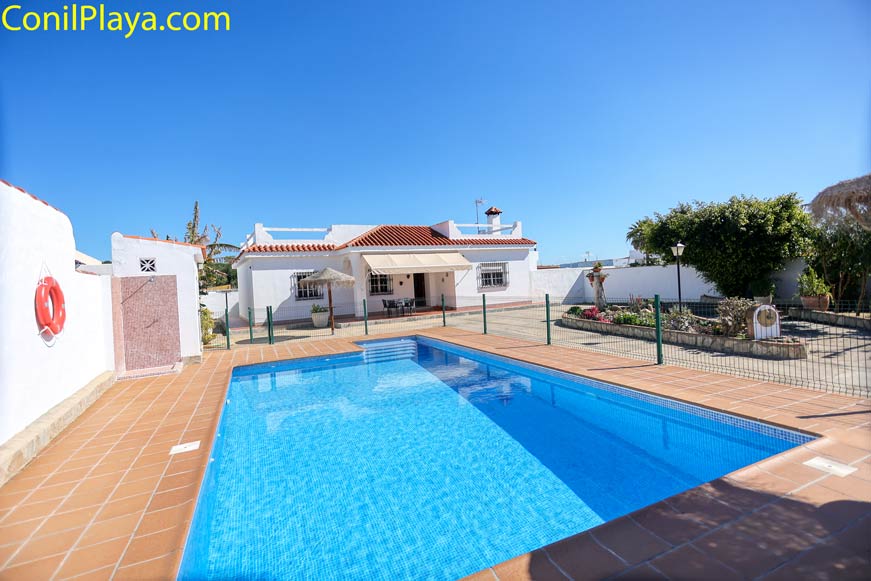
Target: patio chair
[(389, 306)]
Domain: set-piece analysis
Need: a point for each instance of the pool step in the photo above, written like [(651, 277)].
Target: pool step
[(389, 351)]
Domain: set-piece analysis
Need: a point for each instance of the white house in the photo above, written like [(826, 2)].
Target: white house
[(459, 261)]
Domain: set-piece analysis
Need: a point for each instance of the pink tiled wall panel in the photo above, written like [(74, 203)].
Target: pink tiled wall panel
[(149, 321)]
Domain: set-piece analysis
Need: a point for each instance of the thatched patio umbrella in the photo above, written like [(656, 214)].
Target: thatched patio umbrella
[(329, 277), (854, 196)]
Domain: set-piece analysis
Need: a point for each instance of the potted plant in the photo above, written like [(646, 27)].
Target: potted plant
[(763, 291), (320, 316), (813, 290)]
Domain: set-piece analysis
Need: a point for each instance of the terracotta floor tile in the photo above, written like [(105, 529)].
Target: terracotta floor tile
[(703, 508), (105, 530), (136, 487), (630, 541), (668, 524), (41, 569), (20, 531), (533, 566), (145, 547), (103, 574), (47, 546), (826, 562), (852, 487), (68, 520), (31, 510), (173, 497), (581, 555), (85, 498), (94, 557), (160, 568), (166, 518), (690, 563), (124, 506), (6, 551)]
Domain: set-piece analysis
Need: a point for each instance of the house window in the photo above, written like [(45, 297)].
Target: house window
[(147, 265), (306, 291), (380, 284), (492, 274)]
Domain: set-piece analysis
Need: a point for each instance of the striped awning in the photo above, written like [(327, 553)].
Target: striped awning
[(412, 263)]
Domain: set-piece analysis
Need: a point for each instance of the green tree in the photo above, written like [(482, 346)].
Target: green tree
[(841, 251), (735, 243), (638, 236), (216, 269)]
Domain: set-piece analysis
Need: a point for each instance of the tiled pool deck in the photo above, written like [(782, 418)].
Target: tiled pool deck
[(105, 499)]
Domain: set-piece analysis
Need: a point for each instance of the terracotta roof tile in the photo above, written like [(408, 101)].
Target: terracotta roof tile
[(23, 191), (426, 236), (289, 248), (149, 239)]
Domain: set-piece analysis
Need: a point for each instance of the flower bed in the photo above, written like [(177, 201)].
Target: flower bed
[(721, 343)]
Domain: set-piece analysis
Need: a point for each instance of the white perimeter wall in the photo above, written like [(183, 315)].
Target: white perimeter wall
[(643, 281), (217, 301), (34, 240), (646, 281), (172, 259)]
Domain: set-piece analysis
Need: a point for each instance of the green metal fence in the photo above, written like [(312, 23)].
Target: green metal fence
[(829, 351)]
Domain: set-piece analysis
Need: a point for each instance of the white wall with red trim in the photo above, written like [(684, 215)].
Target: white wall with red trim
[(36, 374)]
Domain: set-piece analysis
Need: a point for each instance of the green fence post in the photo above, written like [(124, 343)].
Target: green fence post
[(251, 324), (484, 303), (444, 318), (227, 325), (658, 318), (365, 318), (547, 313), (269, 325)]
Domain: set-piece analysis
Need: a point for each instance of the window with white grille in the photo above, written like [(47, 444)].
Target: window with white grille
[(492, 275), (380, 284), (306, 291), (147, 265)]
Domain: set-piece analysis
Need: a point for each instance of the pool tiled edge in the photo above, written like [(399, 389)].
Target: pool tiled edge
[(104, 498)]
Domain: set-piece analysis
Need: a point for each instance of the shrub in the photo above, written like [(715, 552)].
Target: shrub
[(575, 311), (594, 314), (732, 313), (677, 320), (810, 284), (207, 324), (641, 319)]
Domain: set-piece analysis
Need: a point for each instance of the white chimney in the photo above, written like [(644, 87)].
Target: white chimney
[(494, 220)]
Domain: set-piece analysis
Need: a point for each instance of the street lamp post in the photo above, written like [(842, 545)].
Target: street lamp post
[(677, 250)]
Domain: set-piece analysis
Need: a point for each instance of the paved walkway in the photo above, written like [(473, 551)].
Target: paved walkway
[(105, 500)]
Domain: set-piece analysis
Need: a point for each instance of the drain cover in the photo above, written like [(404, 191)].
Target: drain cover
[(184, 448), (830, 466)]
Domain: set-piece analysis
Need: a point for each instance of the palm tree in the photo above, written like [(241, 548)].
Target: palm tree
[(639, 236), (211, 274)]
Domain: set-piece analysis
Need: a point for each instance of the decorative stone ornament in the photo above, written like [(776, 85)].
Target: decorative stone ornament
[(763, 322)]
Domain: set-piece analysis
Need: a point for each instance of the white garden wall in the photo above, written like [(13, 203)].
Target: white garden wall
[(643, 281), (217, 301), (34, 375), (171, 259)]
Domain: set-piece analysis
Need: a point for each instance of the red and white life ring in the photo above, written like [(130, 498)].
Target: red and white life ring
[(51, 312)]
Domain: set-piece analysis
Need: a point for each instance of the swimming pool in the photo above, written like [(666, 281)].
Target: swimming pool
[(421, 459)]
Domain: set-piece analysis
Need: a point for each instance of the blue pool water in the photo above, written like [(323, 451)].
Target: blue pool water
[(422, 460)]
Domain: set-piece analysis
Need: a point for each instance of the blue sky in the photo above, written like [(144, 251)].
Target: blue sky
[(575, 117)]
